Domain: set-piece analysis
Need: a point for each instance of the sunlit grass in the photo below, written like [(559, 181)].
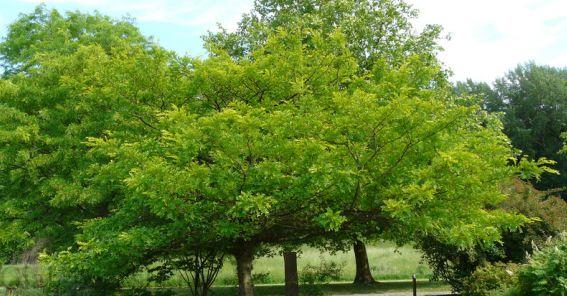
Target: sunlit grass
[(386, 261)]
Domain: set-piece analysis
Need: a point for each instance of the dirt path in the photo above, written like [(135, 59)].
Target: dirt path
[(391, 293)]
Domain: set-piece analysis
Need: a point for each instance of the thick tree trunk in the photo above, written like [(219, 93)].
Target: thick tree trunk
[(363, 274), (244, 258), (291, 279)]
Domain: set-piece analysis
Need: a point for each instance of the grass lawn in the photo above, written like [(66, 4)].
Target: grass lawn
[(20, 276)]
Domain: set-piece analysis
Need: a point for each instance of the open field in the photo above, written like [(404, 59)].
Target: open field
[(387, 263)]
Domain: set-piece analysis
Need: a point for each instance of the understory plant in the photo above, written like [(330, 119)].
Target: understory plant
[(546, 273), (490, 278), (549, 219)]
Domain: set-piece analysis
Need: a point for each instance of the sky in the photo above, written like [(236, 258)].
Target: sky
[(487, 37)]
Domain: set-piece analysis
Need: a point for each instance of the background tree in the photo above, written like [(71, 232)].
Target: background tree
[(533, 100), (375, 30), (47, 31), (489, 97)]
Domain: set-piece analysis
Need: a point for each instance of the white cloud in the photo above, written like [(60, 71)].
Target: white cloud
[(3, 24), (78, 2), (202, 13), (490, 37)]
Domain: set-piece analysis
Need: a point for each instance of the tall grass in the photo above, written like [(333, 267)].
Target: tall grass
[(21, 280), (387, 262)]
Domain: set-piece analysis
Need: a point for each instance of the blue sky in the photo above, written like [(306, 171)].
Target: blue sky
[(488, 37)]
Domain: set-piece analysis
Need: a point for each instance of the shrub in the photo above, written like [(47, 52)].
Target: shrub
[(546, 273), (490, 278), (549, 211), (322, 273), (262, 278), (454, 266)]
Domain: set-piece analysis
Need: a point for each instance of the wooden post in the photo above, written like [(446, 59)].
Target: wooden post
[(414, 285)]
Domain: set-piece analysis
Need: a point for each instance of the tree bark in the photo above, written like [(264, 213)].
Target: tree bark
[(244, 258), (291, 278), (363, 274)]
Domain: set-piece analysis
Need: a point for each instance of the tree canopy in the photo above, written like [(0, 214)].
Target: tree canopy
[(533, 102), (49, 110), (49, 32), (375, 31), (304, 158), (298, 126)]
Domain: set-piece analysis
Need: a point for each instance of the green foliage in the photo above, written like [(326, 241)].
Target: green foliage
[(271, 167), (546, 272), (548, 214), (48, 32), (490, 278), (484, 92), (377, 30), (124, 155), (532, 100), (325, 272), (48, 110)]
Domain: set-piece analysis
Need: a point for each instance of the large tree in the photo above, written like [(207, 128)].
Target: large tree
[(292, 144), (377, 33), (70, 77), (148, 158)]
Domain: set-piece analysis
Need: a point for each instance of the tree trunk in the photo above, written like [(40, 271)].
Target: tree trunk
[(244, 258), (363, 274), (291, 279)]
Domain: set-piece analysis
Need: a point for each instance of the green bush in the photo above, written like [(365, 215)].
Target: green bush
[(323, 273), (262, 278), (490, 279), (454, 266), (546, 273)]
